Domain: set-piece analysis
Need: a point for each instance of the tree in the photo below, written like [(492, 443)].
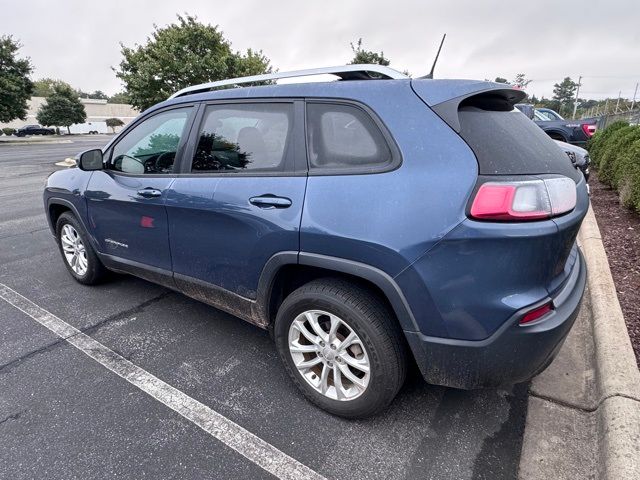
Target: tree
[(362, 56), (62, 108), (44, 87), (15, 85), (120, 97), (501, 80), (113, 123), (179, 55), (563, 93), (546, 103), (99, 94), (520, 81)]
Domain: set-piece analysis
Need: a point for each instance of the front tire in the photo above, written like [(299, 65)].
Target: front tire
[(77, 253), (342, 347)]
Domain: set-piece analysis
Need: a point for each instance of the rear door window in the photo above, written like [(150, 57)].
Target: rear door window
[(344, 138), (244, 137)]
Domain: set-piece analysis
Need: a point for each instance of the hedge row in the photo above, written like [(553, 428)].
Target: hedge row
[(615, 153)]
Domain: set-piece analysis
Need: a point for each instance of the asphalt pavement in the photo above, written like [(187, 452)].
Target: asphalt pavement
[(64, 415)]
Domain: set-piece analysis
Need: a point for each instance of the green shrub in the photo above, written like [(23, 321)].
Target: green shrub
[(617, 166), (612, 150), (601, 137), (8, 131), (629, 182)]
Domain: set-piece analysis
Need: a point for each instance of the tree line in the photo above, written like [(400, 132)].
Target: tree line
[(176, 56)]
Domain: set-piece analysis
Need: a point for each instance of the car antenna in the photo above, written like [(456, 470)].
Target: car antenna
[(433, 67)]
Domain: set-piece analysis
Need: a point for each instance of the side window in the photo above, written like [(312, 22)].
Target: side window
[(152, 145), (235, 138), (344, 137)]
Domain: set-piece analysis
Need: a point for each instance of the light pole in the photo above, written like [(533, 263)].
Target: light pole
[(575, 102)]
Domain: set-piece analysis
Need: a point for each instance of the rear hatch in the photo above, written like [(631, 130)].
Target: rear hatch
[(521, 165)]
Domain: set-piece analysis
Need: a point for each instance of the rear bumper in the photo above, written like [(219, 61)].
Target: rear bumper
[(512, 354)]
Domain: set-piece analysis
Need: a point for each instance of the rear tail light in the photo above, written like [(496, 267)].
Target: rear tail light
[(524, 200), (589, 130), (536, 313)]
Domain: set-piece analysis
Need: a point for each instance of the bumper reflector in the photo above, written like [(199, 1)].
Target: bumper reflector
[(536, 313)]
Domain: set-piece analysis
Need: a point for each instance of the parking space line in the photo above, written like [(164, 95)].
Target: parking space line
[(228, 432)]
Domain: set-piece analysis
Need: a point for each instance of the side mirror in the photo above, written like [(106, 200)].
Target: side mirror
[(91, 160)]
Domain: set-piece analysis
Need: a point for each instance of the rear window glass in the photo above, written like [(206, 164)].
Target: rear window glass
[(343, 137), (509, 143)]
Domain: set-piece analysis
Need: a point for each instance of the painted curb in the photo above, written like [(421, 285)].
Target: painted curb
[(617, 374)]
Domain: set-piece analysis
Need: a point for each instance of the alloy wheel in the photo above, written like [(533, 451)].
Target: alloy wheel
[(74, 250), (329, 355)]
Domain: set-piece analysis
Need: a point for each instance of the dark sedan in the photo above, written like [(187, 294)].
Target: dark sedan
[(34, 130)]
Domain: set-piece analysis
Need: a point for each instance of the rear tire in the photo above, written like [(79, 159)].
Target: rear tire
[(376, 345), (78, 255)]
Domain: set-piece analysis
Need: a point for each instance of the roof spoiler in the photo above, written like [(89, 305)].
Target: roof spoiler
[(483, 95)]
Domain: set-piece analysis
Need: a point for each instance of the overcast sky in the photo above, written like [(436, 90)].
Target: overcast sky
[(78, 40)]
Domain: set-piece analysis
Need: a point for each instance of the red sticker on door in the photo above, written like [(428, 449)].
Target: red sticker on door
[(146, 222)]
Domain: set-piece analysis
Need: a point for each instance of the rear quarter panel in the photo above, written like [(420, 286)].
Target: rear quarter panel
[(388, 220)]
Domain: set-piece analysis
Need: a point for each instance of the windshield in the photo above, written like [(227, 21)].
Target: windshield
[(546, 115)]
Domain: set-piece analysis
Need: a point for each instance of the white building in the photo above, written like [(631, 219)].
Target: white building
[(97, 111)]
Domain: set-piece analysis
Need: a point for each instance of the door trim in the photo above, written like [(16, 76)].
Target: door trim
[(147, 272), (253, 311)]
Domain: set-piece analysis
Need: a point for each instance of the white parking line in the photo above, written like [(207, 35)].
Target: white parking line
[(231, 434)]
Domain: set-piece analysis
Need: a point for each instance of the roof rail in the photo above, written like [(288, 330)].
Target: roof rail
[(345, 72)]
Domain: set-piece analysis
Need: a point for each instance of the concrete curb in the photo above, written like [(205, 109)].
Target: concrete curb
[(617, 378), (32, 142)]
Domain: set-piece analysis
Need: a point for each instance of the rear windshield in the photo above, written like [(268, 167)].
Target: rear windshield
[(508, 143)]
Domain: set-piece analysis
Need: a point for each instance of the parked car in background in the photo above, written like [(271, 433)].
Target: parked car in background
[(579, 157), (575, 132), (34, 130), (366, 223)]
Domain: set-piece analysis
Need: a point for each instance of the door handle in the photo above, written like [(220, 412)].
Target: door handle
[(149, 193), (270, 201)]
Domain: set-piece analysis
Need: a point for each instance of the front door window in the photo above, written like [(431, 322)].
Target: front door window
[(150, 148)]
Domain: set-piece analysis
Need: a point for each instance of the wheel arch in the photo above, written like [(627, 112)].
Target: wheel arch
[(287, 271), (557, 134), (56, 207)]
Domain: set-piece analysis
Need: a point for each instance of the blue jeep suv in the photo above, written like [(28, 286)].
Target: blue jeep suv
[(367, 223)]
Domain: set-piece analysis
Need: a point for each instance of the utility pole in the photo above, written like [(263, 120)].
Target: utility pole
[(575, 103), (618, 102), (633, 102)]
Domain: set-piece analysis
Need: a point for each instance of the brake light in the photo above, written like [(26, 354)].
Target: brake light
[(524, 200), (536, 313), (589, 130)]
